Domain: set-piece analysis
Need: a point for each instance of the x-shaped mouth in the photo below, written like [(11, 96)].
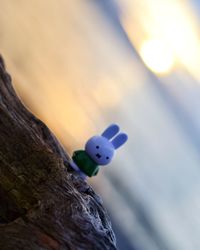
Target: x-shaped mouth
[(98, 155)]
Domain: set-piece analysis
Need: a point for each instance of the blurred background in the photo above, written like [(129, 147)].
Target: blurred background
[(81, 65)]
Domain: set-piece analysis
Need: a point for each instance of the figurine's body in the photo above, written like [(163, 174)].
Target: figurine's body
[(99, 150), (85, 163)]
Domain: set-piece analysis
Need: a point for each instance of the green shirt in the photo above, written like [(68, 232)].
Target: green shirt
[(85, 163)]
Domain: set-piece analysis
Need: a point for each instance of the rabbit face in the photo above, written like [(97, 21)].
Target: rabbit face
[(100, 149)]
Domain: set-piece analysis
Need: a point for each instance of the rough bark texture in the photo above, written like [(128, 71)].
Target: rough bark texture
[(44, 204)]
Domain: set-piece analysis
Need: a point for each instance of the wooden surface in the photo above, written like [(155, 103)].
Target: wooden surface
[(43, 204)]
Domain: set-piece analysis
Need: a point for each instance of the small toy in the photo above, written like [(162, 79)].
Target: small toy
[(99, 150)]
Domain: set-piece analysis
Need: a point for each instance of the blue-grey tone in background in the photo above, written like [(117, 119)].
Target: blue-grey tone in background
[(81, 65)]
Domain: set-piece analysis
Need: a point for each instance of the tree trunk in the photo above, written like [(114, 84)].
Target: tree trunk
[(44, 204)]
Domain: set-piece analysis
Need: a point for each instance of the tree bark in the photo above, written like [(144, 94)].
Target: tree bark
[(44, 204)]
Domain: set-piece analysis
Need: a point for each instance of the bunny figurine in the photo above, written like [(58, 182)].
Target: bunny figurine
[(99, 150)]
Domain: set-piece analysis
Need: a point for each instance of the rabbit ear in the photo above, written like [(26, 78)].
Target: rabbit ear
[(111, 131), (119, 140)]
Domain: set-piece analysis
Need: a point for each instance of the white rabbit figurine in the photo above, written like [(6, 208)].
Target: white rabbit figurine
[(99, 150)]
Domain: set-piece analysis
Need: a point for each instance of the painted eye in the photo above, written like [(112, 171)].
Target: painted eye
[(97, 147), (107, 157)]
